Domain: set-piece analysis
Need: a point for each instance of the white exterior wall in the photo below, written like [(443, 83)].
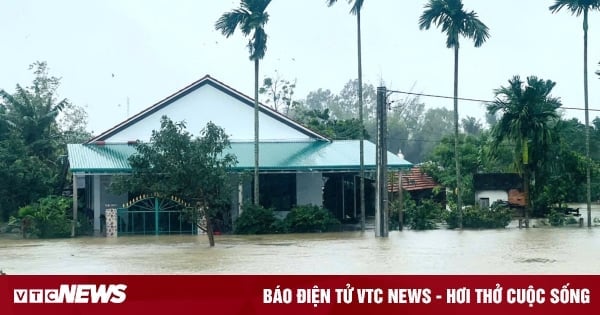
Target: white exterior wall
[(493, 195), (309, 189), (205, 104)]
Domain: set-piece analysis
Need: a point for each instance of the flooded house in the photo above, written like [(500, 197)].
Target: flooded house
[(297, 166)]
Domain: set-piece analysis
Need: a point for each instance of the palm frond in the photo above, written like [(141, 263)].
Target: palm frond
[(450, 16), (356, 5), (250, 18), (529, 113), (255, 6), (229, 21), (258, 45), (435, 13), (475, 29), (576, 7), (56, 109)]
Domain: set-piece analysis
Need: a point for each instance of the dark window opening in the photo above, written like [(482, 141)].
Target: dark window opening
[(278, 191)]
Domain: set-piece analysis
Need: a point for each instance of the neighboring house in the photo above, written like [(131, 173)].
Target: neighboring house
[(493, 187), (417, 183), (297, 165)]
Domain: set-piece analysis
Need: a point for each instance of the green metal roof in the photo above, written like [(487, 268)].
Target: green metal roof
[(274, 156)]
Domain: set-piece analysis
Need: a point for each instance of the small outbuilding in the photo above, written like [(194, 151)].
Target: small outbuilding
[(492, 187)]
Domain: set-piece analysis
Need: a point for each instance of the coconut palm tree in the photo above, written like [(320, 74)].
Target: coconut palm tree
[(356, 8), (454, 21), (250, 18), (578, 7), (528, 113)]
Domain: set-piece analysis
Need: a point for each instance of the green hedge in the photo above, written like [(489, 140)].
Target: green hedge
[(46, 218), (311, 218), (301, 219), (476, 218), (257, 220), (424, 216)]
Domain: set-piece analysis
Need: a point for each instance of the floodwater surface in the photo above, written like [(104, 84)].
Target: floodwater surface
[(543, 250)]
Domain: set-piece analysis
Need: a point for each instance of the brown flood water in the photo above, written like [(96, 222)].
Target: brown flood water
[(545, 250)]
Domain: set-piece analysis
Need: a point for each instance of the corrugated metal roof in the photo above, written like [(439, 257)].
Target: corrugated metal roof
[(274, 156), (107, 158)]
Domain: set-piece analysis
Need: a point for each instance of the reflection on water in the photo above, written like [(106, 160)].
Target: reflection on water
[(505, 251)]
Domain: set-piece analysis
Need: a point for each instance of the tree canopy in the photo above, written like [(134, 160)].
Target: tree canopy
[(176, 163), (35, 126)]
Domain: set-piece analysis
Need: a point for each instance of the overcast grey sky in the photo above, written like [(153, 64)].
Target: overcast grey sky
[(154, 48)]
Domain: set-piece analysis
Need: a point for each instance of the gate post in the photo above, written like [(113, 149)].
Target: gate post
[(111, 222)]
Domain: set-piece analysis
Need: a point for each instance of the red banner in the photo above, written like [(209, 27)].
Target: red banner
[(304, 294)]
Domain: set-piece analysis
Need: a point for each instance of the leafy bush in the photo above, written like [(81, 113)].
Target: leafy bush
[(85, 226), (257, 220), (571, 220), (311, 218), (424, 216), (477, 218), (46, 218), (394, 217), (556, 218)]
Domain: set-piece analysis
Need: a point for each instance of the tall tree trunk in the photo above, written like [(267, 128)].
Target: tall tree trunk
[(209, 231), (456, 151), (362, 134), (587, 119), (256, 136)]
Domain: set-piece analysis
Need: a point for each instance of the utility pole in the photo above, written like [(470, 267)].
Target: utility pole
[(381, 206)]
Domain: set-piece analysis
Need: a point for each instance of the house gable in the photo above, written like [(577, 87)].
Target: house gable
[(210, 100)]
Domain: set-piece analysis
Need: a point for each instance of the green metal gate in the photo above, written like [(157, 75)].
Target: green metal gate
[(155, 215)]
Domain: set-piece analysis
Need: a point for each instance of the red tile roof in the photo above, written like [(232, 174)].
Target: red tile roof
[(415, 179)]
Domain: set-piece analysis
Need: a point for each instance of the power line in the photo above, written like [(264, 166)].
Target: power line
[(473, 99)]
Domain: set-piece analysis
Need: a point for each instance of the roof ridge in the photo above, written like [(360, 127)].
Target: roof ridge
[(207, 79)]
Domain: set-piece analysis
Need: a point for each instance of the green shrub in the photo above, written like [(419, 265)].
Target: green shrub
[(46, 218), (311, 218), (424, 216), (395, 209), (257, 220), (85, 226), (571, 220), (477, 218), (556, 218)]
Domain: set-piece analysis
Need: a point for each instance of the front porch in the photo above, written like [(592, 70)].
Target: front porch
[(150, 215), (292, 174)]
